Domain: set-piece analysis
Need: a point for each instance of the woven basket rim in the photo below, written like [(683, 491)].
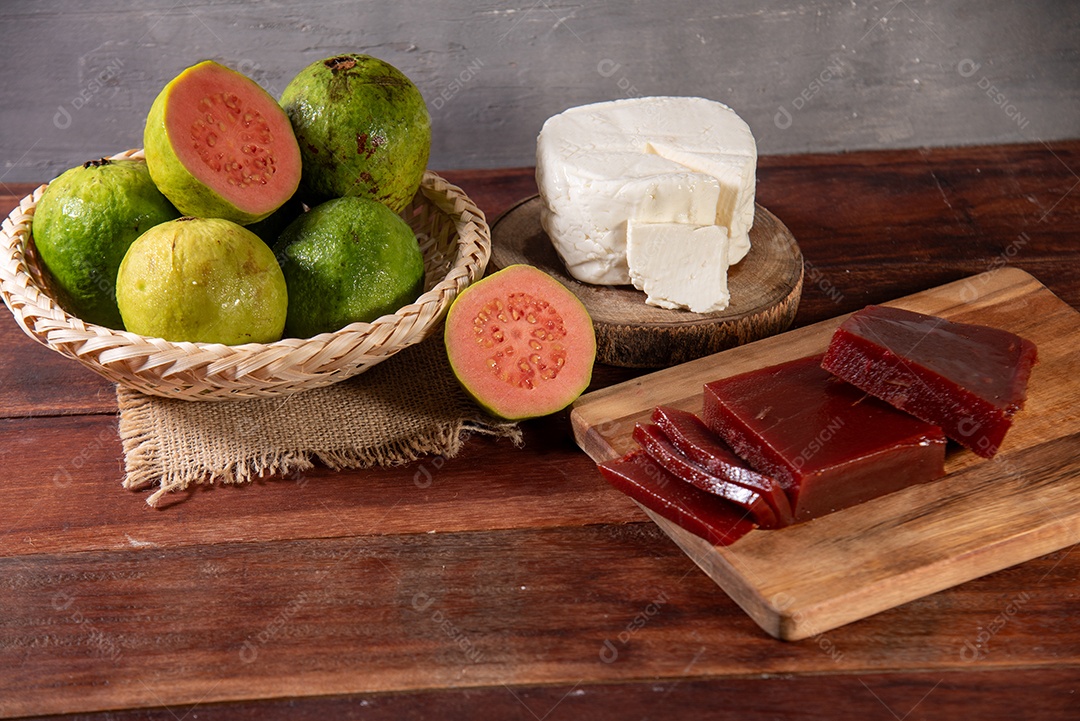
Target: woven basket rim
[(28, 300)]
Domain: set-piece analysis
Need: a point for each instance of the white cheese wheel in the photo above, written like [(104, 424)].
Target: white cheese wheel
[(674, 160)]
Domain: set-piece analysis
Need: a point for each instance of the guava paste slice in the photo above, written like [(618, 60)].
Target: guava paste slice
[(520, 343), (968, 379), (829, 443), (653, 441), (701, 513), (693, 439)]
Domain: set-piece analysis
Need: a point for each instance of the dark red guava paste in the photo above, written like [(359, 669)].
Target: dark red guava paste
[(653, 441), (828, 443), (968, 379), (691, 437), (701, 513)]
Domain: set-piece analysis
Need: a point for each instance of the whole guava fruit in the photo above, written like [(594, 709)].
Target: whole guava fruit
[(363, 130), (204, 280), (347, 260), (218, 146), (83, 225)]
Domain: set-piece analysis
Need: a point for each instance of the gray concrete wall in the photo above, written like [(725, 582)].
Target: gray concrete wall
[(807, 75)]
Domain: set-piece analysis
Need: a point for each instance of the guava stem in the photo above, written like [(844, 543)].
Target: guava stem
[(342, 62)]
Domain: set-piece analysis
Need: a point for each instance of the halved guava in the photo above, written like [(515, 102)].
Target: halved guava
[(520, 343), (218, 146)]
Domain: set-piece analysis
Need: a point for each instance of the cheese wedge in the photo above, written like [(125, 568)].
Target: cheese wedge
[(679, 265)]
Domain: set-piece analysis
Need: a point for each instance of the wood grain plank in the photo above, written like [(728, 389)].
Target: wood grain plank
[(931, 205), (1034, 695), (983, 516), (84, 632), (830, 290), (36, 381), (62, 494)]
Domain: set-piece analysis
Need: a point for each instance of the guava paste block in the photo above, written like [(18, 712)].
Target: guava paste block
[(828, 443), (701, 513), (968, 379)]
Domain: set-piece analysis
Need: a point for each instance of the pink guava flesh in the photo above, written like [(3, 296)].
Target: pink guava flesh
[(520, 343), (233, 138)]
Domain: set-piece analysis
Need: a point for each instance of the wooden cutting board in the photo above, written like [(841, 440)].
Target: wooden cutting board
[(985, 515), (765, 289)]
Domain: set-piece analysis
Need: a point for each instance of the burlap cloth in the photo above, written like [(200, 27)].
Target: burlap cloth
[(408, 406)]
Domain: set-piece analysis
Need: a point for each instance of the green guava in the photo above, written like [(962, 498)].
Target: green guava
[(218, 146), (204, 280), (348, 260), (363, 130), (83, 225), (520, 343)]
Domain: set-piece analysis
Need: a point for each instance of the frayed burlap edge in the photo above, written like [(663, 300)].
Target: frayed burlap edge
[(144, 466)]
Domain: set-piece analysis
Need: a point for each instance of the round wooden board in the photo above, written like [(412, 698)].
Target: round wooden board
[(765, 288)]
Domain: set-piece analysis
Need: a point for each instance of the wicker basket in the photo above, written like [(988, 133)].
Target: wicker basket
[(453, 236)]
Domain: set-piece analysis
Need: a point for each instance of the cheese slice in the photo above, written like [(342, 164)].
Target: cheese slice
[(657, 160), (679, 265)]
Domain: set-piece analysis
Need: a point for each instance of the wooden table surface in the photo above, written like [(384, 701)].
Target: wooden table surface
[(512, 583)]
